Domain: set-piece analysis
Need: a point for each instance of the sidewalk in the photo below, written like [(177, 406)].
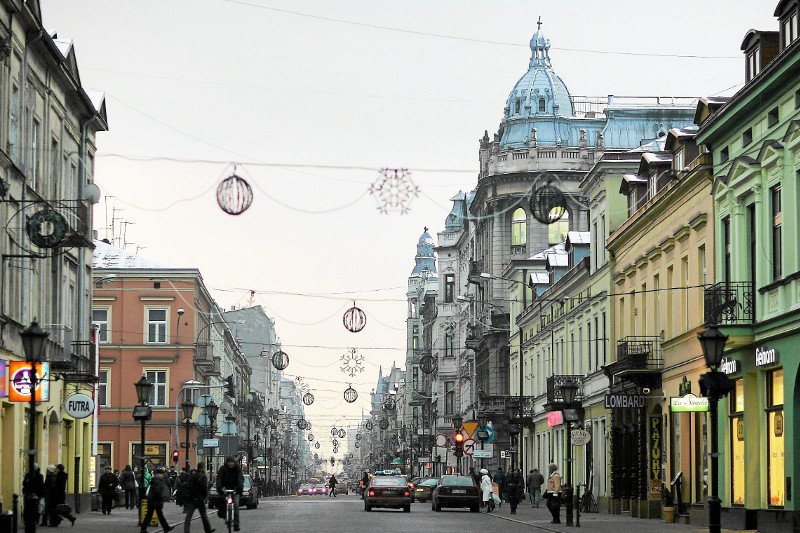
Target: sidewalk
[(120, 519), (540, 518)]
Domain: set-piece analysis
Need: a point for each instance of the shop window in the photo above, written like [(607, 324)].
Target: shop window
[(775, 439), (104, 456), (737, 443)]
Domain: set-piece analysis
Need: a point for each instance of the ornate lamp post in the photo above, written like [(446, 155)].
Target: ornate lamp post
[(569, 392), (188, 410), (33, 339), (211, 410), (142, 413), (714, 385)]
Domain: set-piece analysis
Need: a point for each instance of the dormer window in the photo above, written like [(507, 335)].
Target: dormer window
[(753, 63), (677, 159), (542, 107), (789, 28)]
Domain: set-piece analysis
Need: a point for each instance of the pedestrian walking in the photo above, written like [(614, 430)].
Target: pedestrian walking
[(49, 484), (59, 496), (364, 483), (128, 483), (197, 492), (515, 489), (33, 490), (107, 487), (535, 482), (553, 493), (332, 486), (500, 478), (156, 496), (487, 494), (229, 477)]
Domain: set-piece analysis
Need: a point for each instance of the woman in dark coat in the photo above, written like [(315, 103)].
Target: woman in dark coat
[(49, 483), (128, 483), (157, 494), (59, 497), (515, 489), (107, 486)]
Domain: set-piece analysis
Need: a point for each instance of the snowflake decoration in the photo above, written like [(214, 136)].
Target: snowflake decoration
[(394, 190), (352, 362), (302, 385)]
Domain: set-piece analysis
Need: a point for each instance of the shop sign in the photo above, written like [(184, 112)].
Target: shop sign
[(20, 381), (580, 437), (689, 404), (655, 457), (79, 406), (778, 424), (554, 418), (3, 379), (729, 366), (625, 401), (766, 357)]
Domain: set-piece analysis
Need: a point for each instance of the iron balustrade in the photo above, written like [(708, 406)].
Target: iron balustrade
[(639, 353), (555, 396), (83, 363), (730, 303)]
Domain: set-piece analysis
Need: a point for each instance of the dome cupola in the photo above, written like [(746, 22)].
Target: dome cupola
[(425, 258)]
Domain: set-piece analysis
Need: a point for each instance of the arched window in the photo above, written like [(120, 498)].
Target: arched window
[(517, 106), (519, 228), (557, 231), (542, 107)]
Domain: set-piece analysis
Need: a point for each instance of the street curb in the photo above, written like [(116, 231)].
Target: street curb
[(523, 523)]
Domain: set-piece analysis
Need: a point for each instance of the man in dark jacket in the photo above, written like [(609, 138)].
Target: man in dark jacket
[(107, 487), (535, 482), (33, 489), (197, 491), (515, 489), (157, 494), (332, 486), (59, 496), (229, 477)]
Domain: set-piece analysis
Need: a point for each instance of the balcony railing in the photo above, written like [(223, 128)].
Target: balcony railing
[(554, 384), (83, 365), (517, 249), (506, 405), (730, 303), (639, 353), (58, 346), (205, 353)]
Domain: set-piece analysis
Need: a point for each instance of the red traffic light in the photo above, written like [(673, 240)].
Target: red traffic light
[(459, 438), (175, 456)]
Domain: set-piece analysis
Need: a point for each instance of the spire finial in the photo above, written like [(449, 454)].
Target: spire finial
[(426, 228), (539, 23)]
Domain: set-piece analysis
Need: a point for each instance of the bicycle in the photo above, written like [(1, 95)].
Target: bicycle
[(229, 509)]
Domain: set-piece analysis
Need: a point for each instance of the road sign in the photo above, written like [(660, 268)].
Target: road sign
[(210, 443), (512, 449), (580, 437), (503, 454), (423, 459), (469, 428), (469, 446), (441, 440), (489, 434), (485, 452)]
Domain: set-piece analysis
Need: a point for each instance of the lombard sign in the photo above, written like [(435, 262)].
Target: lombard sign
[(729, 366), (625, 401), (766, 356), (688, 404), (79, 406)]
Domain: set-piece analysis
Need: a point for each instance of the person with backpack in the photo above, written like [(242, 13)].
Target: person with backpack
[(156, 495), (196, 493)]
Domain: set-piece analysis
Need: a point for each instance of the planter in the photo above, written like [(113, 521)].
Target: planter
[(669, 515)]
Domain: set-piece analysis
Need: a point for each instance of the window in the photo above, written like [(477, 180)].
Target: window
[(557, 231), (517, 107), (775, 204), (701, 264), (448, 345), (35, 129), (726, 249), (594, 246), (797, 99), (775, 439), (158, 398), (685, 292), (747, 137), (449, 397), (751, 228), (753, 62), (723, 155), (100, 318), (542, 107), (789, 29), (656, 304), (602, 244), (604, 339), (670, 300), (519, 228), (449, 287), (772, 117), (596, 344), (737, 442), (589, 342), (104, 455), (157, 326), (103, 398), (415, 379), (13, 134)]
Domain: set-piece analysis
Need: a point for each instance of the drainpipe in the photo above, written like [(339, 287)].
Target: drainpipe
[(83, 151)]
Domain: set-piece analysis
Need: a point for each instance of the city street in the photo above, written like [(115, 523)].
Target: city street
[(318, 513)]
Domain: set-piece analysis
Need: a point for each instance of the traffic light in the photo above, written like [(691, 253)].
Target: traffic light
[(175, 456), (229, 387), (458, 438)]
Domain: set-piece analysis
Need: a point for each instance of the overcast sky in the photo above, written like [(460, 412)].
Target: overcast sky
[(235, 82)]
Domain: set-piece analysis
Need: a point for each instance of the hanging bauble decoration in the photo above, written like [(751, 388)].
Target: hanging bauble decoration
[(384, 424), (301, 424), (548, 204), (310, 437), (358, 445), (308, 398), (316, 445), (341, 433), (280, 360), (390, 404), (368, 425), (234, 194), (350, 394), (335, 443), (358, 436), (427, 364), (354, 319), (335, 450), (334, 430)]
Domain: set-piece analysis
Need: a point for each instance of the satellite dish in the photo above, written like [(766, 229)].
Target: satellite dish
[(92, 193)]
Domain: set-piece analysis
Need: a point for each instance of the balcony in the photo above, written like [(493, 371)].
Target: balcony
[(505, 405), (555, 399), (58, 346), (204, 354), (518, 249), (639, 361), (83, 368), (475, 269), (730, 303), (474, 335)]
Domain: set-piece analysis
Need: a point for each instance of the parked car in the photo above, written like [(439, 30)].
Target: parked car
[(424, 489), (388, 491), (342, 488), (456, 491)]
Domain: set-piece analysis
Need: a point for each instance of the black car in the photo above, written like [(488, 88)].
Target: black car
[(456, 491), (388, 491)]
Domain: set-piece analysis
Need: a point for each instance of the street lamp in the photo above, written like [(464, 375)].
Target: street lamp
[(33, 340), (142, 413), (569, 391), (715, 385), (211, 410), (188, 410)]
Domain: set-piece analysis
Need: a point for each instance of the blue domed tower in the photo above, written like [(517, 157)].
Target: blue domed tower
[(425, 258), (538, 97)]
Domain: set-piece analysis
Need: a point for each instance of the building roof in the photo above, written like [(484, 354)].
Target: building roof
[(579, 237), (425, 258), (106, 255)]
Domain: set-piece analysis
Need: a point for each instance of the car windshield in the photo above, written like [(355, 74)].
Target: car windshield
[(457, 481), (388, 481), (429, 483), (305, 486)]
